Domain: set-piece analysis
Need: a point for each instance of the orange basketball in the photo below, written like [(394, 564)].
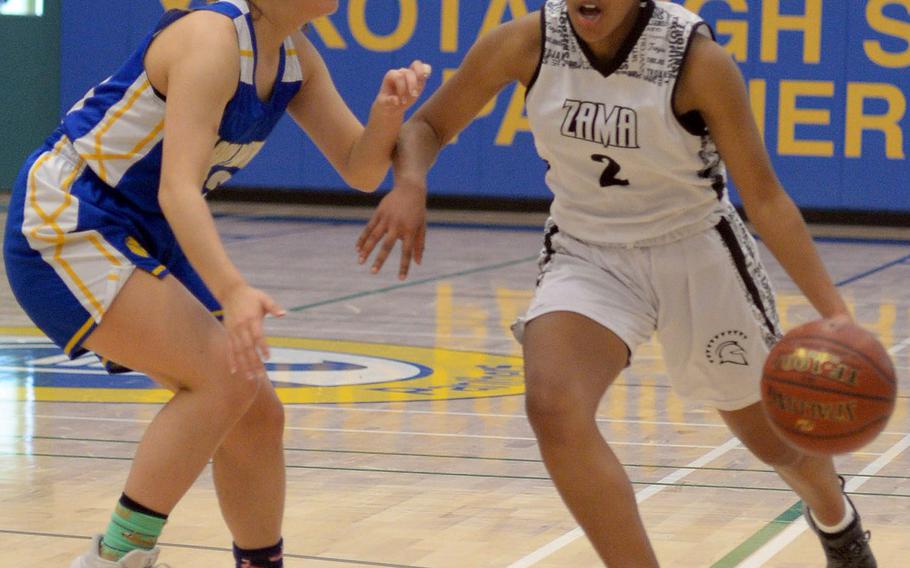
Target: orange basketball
[(829, 386)]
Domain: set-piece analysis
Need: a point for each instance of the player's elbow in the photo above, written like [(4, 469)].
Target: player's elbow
[(168, 195), (367, 182)]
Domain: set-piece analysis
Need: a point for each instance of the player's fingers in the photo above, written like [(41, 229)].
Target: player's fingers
[(412, 85), (387, 245), (423, 72), (249, 359), (260, 345), (374, 220), (401, 85), (276, 310), (407, 247), (371, 241), (232, 360), (419, 243), (238, 354), (388, 82), (394, 85), (421, 69), (392, 100)]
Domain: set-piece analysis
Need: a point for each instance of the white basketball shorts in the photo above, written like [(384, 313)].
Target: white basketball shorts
[(706, 296)]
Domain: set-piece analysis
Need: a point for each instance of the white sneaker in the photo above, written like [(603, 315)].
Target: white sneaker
[(135, 559)]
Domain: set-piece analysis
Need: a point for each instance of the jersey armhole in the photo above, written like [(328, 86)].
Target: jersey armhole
[(692, 121), (166, 20), (543, 45)]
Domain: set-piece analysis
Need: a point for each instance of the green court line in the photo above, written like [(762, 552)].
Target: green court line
[(412, 283), (757, 540), (768, 532)]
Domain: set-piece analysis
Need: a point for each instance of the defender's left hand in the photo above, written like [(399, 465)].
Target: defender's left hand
[(402, 87)]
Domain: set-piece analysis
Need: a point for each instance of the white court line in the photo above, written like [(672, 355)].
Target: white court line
[(10, 418), (364, 431), (791, 532), (640, 496), (481, 436), (900, 347), (490, 415), (788, 535)]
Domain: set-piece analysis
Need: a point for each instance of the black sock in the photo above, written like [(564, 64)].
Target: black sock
[(270, 557)]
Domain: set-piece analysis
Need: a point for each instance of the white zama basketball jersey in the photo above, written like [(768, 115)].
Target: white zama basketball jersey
[(623, 168)]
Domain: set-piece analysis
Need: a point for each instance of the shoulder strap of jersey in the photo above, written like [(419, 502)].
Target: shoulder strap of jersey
[(239, 12)]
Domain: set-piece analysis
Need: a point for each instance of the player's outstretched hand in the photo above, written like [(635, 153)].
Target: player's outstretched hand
[(402, 87), (244, 309), (400, 216)]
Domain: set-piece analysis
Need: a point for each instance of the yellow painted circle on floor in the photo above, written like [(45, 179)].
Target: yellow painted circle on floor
[(304, 371)]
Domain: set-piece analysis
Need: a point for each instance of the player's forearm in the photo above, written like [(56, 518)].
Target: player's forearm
[(371, 154), (418, 147), (189, 217), (782, 229)]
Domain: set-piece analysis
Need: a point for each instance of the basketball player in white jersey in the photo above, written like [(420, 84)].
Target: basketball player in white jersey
[(632, 105), (110, 248)]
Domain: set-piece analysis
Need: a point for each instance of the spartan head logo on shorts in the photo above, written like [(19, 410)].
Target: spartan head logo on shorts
[(726, 348)]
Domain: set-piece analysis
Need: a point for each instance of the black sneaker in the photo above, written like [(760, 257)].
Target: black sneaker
[(848, 548)]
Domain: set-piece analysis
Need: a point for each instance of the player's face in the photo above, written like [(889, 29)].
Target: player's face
[(596, 20), (318, 8), (307, 9), (324, 7)]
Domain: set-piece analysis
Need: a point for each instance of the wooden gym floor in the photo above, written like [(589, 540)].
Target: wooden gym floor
[(407, 442)]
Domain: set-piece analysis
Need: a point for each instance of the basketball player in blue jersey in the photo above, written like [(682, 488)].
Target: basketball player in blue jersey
[(632, 104), (110, 248)]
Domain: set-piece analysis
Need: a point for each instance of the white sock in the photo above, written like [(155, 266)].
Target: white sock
[(845, 522)]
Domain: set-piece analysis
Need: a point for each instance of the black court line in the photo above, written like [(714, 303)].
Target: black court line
[(464, 474), (221, 549), (444, 456)]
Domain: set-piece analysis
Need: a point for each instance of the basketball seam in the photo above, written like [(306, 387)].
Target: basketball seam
[(873, 364), (778, 379)]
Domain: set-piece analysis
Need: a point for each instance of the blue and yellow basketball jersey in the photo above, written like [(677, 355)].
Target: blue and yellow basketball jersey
[(84, 213), (117, 128)]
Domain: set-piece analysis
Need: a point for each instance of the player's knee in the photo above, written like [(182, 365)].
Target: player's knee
[(241, 393), (267, 414), (231, 394), (550, 404), (234, 396)]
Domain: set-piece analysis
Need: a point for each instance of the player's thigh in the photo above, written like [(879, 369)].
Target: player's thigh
[(157, 327), (570, 360)]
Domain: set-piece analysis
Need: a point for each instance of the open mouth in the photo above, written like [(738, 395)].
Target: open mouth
[(589, 11)]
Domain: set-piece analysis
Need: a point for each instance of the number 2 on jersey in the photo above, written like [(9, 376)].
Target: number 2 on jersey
[(611, 172)]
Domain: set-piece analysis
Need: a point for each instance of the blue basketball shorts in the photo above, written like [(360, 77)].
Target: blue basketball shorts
[(72, 242)]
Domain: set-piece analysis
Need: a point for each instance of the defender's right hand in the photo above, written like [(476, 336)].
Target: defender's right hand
[(400, 216), (244, 309)]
